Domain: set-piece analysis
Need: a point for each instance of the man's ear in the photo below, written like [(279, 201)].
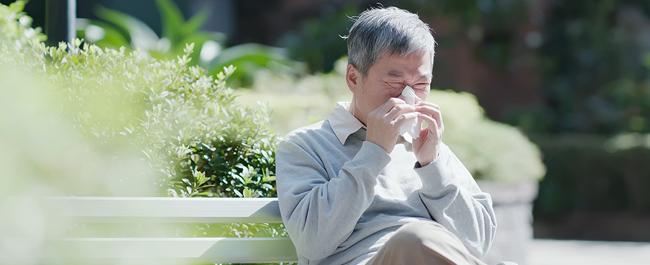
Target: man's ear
[(352, 77)]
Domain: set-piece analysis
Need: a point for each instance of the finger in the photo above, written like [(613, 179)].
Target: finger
[(427, 106), (398, 110), (431, 112), (427, 103), (404, 118), (434, 126)]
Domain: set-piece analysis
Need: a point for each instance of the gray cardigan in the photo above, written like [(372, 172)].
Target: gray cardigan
[(341, 203)]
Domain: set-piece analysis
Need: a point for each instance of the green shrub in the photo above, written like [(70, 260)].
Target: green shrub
[(185, 122), (590, 173), (188, 129), (490, 150), (297, 101)]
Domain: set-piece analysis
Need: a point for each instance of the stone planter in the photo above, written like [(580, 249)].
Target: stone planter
[(513, 205)]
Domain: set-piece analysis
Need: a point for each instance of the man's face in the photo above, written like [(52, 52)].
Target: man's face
[(386, 79)]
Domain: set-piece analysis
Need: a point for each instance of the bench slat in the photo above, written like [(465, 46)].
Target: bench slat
[(168, 210), (173, 250)]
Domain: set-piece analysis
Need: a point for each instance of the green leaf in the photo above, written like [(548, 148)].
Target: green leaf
[(252, 52), (113, 36), (248, 58), (195, 23), (248, 193), (17, 7), (172, 20), (204, 194), (199, 38), (199, 177), (140, 35), (646, 60)]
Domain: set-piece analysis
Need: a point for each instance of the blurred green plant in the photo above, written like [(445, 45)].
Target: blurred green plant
[(490, 150), (297, 101), (117, 29), (595, 69), (589, 173), (41, 151), (318, 40)]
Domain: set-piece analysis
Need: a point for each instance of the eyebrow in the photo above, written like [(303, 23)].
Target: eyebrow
[(395, 73)]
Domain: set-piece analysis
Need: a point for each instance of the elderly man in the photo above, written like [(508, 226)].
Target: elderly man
[(352, 190)]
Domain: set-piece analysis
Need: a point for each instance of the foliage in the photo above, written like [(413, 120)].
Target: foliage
[(318, 40), (590, 173), (20, 42), (490, 150), (297, 101), (117, 29), (185, 123), (41, 153), (595, 70)]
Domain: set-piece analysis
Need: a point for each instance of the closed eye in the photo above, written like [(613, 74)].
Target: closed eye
[(395, 85), (421, 86)]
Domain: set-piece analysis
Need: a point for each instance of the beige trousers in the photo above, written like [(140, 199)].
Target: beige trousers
[(423, 242)]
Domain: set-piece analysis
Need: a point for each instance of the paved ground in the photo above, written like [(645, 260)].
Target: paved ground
[(573, 252)]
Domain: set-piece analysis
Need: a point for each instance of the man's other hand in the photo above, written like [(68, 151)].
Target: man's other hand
[(426, 146), (385, 121)]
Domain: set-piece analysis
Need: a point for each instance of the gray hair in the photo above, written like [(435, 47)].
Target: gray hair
[(380, 30)]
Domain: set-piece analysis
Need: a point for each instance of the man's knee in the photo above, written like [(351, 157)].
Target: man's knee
[(413, 237), (430, 240), (423, 232), (408, 235)]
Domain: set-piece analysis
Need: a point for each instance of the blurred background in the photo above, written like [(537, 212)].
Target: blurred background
[(571, 77)]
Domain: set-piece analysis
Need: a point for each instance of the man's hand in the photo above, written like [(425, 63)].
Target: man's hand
[(384, 122), (426, 146)]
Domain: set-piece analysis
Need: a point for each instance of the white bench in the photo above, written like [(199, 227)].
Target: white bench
[(169, 250), (164, 249)]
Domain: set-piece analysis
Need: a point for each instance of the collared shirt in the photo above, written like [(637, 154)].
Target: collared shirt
[(343, 122)]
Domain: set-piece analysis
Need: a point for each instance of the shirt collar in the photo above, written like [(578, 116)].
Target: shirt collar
[(343, 122)]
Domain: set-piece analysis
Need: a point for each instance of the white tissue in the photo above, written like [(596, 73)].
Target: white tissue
[(409, 127)]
